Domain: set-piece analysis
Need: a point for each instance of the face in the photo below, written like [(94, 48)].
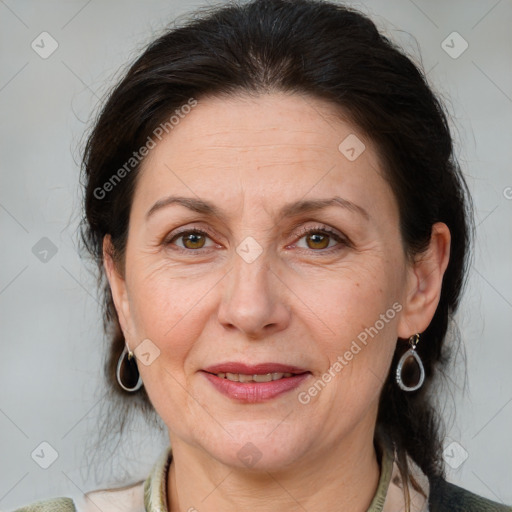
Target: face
[(259, 282)]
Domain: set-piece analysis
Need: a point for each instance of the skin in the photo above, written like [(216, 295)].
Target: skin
[(302, 301)]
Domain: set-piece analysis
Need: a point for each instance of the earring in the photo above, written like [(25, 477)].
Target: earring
[(410, 357), (127, 372)]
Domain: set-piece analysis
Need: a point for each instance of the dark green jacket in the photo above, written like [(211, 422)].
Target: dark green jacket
[(451, 498)]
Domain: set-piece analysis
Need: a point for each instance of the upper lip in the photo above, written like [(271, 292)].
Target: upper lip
[(256, 369)]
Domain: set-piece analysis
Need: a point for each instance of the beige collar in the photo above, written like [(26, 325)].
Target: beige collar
[(395, 493)]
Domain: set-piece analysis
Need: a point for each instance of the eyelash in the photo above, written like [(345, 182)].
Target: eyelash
[(324, 230)]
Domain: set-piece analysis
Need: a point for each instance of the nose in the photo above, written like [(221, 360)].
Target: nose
[(254, 299)]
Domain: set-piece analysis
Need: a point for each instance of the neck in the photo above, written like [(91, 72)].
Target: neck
[(341, 477)]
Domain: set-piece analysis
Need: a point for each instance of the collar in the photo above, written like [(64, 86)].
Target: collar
[(155, 486), (391, 494)]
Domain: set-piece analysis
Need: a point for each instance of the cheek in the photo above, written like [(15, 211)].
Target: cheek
[(356, 319), (163, 301), (170, 312), (350, 299)]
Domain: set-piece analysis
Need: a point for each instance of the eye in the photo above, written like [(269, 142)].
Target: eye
[(192, 239), (318, 239)]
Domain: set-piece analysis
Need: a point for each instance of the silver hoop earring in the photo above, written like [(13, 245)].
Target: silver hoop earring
[(127, 373), (405, 360)]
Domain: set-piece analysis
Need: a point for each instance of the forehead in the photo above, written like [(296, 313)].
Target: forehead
[(261, 123), (275, 146)]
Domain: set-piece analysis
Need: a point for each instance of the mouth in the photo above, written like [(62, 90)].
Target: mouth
[(264, 377), (255, 383)]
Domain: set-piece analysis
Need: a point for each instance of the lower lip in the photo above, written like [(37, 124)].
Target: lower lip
[(253, 392)]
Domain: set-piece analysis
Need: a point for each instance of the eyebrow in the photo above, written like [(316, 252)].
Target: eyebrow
[(288, 210)]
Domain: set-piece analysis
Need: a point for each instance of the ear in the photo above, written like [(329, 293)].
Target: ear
[(425, 279), (117, 286)]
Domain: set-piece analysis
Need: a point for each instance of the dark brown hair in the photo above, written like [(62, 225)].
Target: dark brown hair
[(327, 51)]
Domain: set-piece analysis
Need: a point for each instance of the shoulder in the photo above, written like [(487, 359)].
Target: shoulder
[(122, 499), (53, 505), (445, 496), (147, 494)]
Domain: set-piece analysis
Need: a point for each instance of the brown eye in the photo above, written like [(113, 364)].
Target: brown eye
[(195, 240), (191, 239), (318, 240)]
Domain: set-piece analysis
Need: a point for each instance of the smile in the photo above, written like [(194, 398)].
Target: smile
[(266, 377), (254, 388)]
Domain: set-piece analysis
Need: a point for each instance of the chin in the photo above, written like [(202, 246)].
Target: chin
[(259, 449)]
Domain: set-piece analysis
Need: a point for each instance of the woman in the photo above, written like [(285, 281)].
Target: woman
[(283, 230)]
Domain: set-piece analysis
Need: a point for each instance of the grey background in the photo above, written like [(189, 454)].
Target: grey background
[(52, 347)]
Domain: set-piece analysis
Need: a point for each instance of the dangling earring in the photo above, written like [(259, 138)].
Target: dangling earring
[(128, 372), (411, 353)]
